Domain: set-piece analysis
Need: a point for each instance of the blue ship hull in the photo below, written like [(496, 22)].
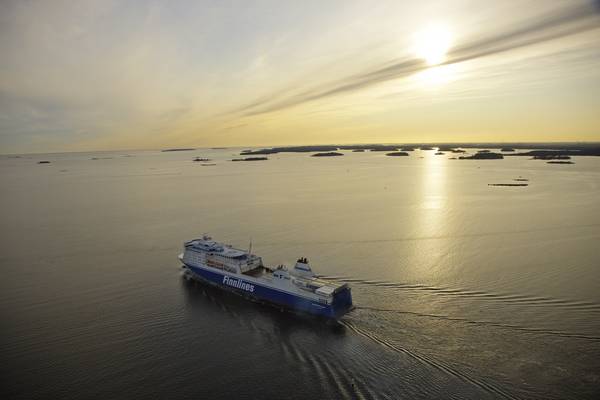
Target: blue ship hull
[(341, 304)]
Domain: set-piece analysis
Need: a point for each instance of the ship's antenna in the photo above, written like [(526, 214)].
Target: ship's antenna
[(250, 247)]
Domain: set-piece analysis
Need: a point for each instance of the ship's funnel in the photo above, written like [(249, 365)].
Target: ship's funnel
[(303, 269)]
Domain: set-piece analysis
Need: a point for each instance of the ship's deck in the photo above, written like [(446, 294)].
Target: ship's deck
[(259, 272), (313, 285)]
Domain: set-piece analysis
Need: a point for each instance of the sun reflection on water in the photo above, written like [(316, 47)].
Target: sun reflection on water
[(429, 254), (434, 181)]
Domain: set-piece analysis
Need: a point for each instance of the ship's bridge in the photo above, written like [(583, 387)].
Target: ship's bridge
[(206, 251), (210, 246)]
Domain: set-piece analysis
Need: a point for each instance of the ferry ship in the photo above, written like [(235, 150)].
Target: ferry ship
[(240, 271)]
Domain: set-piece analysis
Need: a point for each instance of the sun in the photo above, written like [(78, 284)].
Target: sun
[(432, 43)]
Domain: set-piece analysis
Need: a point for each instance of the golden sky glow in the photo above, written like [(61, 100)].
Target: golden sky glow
[(95, 75)]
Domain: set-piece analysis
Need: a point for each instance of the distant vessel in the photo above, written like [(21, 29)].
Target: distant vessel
[(242, 272)]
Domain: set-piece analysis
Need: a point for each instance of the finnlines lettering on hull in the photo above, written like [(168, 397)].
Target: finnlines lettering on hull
[(236, 283), (297, 288)]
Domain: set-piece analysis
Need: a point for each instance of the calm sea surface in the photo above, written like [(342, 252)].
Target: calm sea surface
[(462, 290)]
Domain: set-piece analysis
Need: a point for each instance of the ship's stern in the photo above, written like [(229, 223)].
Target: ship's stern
[(342, 301)]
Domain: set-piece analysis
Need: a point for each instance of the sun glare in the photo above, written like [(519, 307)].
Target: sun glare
[(432, 43), (437, 75)]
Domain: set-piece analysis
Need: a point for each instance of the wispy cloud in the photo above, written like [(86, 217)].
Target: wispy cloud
[(561, 23), (233, 127)]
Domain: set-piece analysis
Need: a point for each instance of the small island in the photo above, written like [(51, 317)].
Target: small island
[(559, 162), (182, 149), (439, 153), (44, 162), (483, 156), (445, 148), (554, 153), (458, 151), (508, 184), (358, 150), (382, 147), (292, 149), (201, 159), (397, 154), (250, 159), (327, 154), (551, 157)]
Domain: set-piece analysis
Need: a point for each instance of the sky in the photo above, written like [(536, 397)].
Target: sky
[(108, 75)]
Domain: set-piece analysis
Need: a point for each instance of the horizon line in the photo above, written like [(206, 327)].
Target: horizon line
[(457, 144)]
